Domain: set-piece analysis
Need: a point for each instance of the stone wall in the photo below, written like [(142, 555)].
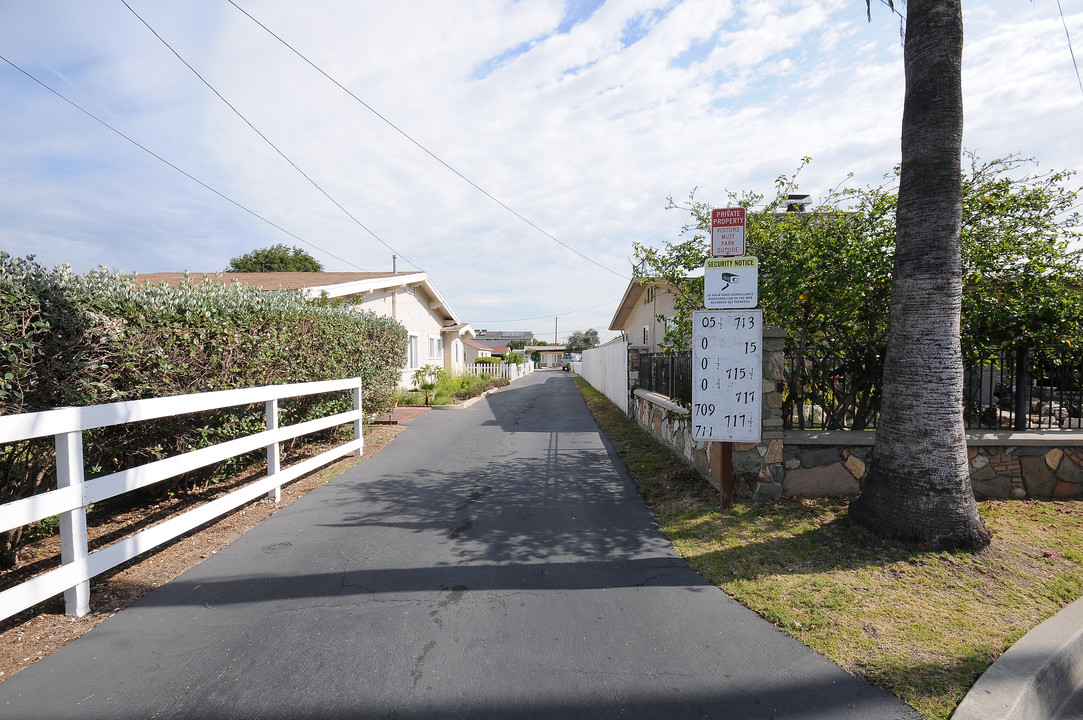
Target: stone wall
[(1041, 465)]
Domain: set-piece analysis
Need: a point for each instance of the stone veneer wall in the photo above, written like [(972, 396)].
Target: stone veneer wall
[(1040, 465)]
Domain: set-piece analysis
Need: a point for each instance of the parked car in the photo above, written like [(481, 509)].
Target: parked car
[(569, 358)]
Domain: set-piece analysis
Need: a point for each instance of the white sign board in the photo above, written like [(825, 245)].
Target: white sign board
[(727, 375), (731, 283), (727, 232)]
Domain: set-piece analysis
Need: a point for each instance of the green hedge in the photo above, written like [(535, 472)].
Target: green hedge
[(76, 340)]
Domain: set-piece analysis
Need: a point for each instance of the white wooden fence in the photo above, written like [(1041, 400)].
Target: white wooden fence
[(606, 369), (508, 371), (74, 493)]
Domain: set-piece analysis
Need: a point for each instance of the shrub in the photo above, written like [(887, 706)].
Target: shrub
[(76, 340)]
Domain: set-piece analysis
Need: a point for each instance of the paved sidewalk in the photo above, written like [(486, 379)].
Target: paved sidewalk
[(494, 562)]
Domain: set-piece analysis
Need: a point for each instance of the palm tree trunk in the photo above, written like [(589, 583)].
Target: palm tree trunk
[(918, 486)]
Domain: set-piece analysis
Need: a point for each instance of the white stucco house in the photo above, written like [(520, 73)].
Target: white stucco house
[(437, 335), (637, 316)]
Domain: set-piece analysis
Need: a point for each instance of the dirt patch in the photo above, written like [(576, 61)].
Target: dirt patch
[(34, 633)]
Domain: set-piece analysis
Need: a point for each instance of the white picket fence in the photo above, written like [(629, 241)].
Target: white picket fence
[(74, 494), (508, 371)]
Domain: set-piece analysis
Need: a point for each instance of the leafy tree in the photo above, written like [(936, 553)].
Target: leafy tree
[(581, 340), (918, 485), (277, 258), (832, 278), (1023, 281)]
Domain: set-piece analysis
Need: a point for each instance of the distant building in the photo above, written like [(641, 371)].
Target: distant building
[(550, 356), (504, 338)]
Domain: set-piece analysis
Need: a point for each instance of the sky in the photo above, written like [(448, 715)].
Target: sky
[(513, 150)]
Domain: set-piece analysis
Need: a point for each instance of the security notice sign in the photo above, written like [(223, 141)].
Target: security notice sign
[(731, 282), (727, 359), (727, 232)]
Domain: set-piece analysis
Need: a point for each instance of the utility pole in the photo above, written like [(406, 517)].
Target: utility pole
[(556, 335)]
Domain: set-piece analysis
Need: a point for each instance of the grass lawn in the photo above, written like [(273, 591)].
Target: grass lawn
[(920, 624)]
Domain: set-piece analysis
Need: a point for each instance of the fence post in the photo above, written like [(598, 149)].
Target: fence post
[(274, 458), (73, 542), (358, 422), (670, 383), (1021, 391)]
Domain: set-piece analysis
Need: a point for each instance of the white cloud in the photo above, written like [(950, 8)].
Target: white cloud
[(583, 119)]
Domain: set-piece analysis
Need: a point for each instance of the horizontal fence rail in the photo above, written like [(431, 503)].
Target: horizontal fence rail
[(74, 493)]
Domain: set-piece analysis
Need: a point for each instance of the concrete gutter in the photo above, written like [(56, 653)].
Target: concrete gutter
[(1035, 677)]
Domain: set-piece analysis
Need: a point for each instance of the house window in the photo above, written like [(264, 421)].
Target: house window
[(436, 347), (457, 346), (413, 358)]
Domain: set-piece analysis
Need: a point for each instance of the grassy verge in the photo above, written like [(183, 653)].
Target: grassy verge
[(922, 625)]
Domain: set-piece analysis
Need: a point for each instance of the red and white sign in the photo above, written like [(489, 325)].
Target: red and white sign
[(727, 232)]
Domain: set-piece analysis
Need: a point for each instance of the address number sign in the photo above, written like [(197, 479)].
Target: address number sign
[(727, 362)]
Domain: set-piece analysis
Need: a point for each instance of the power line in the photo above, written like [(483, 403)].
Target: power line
[(1070, 51), (543, 317), (265, 138), (422, 147), (188, 175)]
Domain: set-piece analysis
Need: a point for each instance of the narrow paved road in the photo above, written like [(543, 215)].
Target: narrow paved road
[(492, 562)]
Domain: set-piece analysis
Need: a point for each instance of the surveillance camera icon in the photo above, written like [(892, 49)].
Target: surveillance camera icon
[(729, 279)]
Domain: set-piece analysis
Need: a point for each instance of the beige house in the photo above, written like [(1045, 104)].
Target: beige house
[(551, 356), (475, 350), (436, 335), (637, 316)]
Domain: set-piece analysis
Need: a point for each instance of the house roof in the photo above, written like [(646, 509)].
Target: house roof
[(459, 329), (475, 344), (315, 284), (632, 297)]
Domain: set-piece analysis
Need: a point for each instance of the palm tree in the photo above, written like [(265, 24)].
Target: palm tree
[(918, 486)]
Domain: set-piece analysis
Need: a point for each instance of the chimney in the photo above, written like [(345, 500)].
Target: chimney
[(796, 203)]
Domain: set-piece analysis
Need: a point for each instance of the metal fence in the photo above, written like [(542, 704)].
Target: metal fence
[(667, 374), (1051, 395), (827, 391)]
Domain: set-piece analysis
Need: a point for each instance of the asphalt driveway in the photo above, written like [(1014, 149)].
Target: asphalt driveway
[(492, 562)]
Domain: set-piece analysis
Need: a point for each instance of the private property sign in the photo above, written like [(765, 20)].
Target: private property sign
[(727, 232)]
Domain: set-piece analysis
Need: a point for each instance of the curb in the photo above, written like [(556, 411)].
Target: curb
[(1035, 676), (465, 403)]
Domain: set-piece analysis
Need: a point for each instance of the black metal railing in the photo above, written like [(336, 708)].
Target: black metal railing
[(1024, 389), (823, 390), (668, 374)]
